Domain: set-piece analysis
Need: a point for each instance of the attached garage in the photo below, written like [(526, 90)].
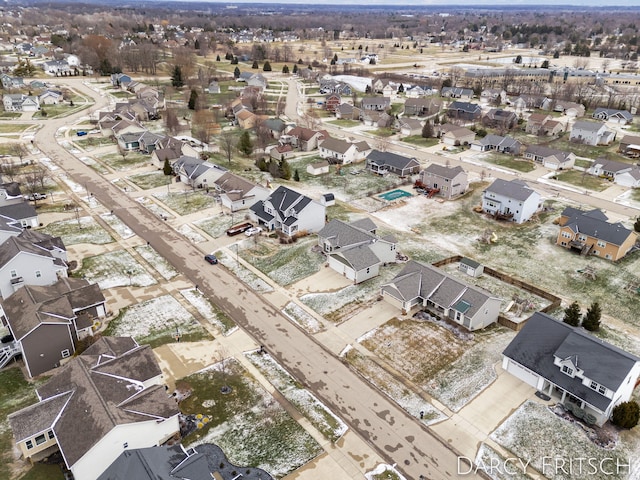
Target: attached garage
[(517, 370)]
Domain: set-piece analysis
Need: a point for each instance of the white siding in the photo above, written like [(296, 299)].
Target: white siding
[(26, 265), (520, 372)]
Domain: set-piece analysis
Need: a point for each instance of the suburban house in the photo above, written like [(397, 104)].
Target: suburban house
[(50, 97), (278, 152), (464, 111), (336, 150), (550, 157), (31, 258), (494, 96), (388, 162), (9, 82), (197, 173), (425, 286), (288, 211), (318, 168), (378, 104), (354, 250), (175, 462), (500, 119), (621, 173), (408, 126), (591, 133), (571, 109), (630, 145), (237, 193), (19, 102), (498, 143), (590, 233), (454, 136), (457, 92), (47, 322), (303, 138), (348, 112), (570, 365), (14, 208), (99, 404), (449, 182), (421, 107), (526, 102), (120, 80), (373, 118), (8, 228), (543, 124), (513, 200), (332, 101), (613, 115)]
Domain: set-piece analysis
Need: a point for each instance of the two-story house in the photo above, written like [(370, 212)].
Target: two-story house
[(305, 139), (449, 182), (591, 233), (422, 106), (500, 119), (340, 151), (389, 162), (31, 258), (513, 200), (99, 404), (237, 193), (425, 286), (572, 366), (48, 321), (14, 208), (288, 211), (19, 102), (591, 133), (355, 250)]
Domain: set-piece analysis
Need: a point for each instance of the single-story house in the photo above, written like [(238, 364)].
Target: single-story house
[(387, 162), (318, 168), (454, 136), (613, 115), (498, 143), (550, 157)]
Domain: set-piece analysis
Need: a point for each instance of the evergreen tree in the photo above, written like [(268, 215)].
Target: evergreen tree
[(636, 225), (427, 130), (591, 320), (335, 58), (217, 58), (176, 77), (193, 99), (626, 414), (236, 73), (234, 61), (295, 69), (266, 67), (166, 169), (284, 169), (196, 45), (300, 62), (401, 88), (255, 64), (228, 56), (572, 314), (244, 143), (296, 175), (285, 69)]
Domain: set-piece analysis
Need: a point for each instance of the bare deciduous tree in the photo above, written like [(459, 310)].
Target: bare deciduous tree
[(227, 141)]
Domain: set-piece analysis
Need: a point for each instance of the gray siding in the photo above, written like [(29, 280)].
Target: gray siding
[(42, 348)]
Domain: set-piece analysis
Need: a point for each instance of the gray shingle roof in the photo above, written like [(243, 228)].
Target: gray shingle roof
[(18, 211), (399, 162), (443, 171), (543, 337), (587, 126), (543, 151), (515, 189), (596, 225)]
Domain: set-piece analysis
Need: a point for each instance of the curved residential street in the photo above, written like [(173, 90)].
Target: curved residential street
[(394, 434)]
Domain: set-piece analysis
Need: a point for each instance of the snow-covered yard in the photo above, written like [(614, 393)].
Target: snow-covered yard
[(323, 419), (247, 276), (186, 202), (299, 316), (250, 426), (118, 225), (208, 310), (191, 234), (82, 230), (115, 269), (157, 261), (216, 226), (154, 208), (156, 321), (535, 433), (149, 180)]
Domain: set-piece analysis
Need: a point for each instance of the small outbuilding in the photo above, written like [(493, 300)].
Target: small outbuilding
[(470, 267)]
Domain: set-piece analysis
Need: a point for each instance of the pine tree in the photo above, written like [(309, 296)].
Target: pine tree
[(244, 143), (295, 69), (285, 69), (427, 130), (166, 169), (591, 320), (572, 314), (196, 45), (296, 175), (284, 169), (217, 58), (193, 99), (266, 67), (636, 226), (255, 64), (234, 61), (401, 88), (236, 73), (176, 77)]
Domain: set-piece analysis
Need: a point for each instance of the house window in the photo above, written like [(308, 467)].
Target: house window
[(602, 390), (65, 353), (568, 370), (602, 244), (29, 444), (40, 439), (368, 269), (38, 274), (593, 385), (608, 256), (125, 445), (50, 435), (14, 273)]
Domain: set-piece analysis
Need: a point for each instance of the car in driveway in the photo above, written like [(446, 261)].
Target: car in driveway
[(211, 258), (253, 231), (35, 196)]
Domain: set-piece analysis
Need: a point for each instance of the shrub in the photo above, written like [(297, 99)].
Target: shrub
[(626, 415)]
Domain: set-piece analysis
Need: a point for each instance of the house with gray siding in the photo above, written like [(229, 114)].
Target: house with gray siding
[(572, 366), (388, 162), (551, 158), (48, 321), (355, 250), (591, 133), (288, 211), (512, 199), (428, 287), (450, 181)]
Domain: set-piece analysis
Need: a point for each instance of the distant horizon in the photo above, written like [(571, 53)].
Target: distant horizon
[(435, 3)]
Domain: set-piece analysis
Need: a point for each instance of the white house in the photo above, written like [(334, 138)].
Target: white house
[(354, 250), (237, 193), (31, 258), (19, 102), (107, 400), (420, 285), (572, 366), (512, 199), (591, 133), (289, 211), (340, 151), (318, 168), (623, 174)]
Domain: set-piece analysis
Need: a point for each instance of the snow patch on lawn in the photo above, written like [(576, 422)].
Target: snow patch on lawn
[(157, 261), (197, 299), (382, 468), (298, 315), (247, 276), (115, 269), (118, 225), (191, 234)]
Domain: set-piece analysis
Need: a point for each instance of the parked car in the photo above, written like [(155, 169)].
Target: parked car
[(212, 259), (81, 133), (253, 231), (238, 229), (36, 196)]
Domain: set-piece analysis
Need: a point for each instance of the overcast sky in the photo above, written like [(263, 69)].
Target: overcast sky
[(475, 3)]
